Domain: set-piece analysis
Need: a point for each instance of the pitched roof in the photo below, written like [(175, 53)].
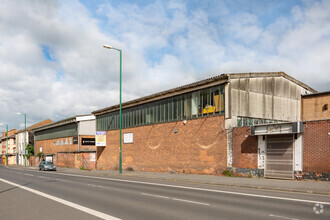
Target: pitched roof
[(58, 123), (216, 80), (38, 124)]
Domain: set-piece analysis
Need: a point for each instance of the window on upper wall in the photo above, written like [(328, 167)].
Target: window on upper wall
[(205, 102), (195, 104), (175, 108), (187, 106), (170, 109)]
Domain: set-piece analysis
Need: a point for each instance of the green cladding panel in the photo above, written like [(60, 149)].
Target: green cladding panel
[(198, 104), (57, 132)]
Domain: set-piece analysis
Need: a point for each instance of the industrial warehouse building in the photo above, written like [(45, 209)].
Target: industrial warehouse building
[(67, 143), (231, 121)]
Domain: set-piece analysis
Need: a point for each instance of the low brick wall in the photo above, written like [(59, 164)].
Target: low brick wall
[(86, 160), (65, 159)]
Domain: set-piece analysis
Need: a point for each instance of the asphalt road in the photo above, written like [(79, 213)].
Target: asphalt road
[(29, 194)]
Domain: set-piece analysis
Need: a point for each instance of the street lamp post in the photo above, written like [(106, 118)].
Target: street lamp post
[(24, 137), (120, 79)]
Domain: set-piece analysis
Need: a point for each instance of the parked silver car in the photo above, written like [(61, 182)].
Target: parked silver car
[(47, 165)]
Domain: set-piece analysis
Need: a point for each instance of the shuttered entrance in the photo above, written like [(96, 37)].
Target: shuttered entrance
[(279, 156)]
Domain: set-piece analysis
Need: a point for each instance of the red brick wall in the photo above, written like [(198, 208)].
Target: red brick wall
[(86, 147), (65, 160), (85, 161), (316, 146), (245, 148), (76, 160), (200, 146), (34, 161), (313, 107), (48, 146)]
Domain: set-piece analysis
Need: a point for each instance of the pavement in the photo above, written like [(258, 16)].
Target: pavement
[(302, 186)]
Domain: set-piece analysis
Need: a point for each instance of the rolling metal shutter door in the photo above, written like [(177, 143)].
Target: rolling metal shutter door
[(279, 160)]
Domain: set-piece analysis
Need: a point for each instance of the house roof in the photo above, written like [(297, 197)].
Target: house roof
[(38, 124), (12, 136), (216, 80)]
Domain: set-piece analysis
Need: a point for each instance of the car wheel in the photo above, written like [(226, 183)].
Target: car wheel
[(43, 169)]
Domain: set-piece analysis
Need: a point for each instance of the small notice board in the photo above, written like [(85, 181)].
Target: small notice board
[(128, 138)]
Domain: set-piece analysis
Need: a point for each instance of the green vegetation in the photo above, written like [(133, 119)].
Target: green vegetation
[(30, 149), (40, 154), (228, 173), (83, 168)]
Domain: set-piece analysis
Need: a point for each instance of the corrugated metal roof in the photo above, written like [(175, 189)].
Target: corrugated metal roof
[(58, 123), (55, 124), (221, 78)]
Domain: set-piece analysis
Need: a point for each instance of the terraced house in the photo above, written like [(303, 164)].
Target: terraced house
[(8, 147)]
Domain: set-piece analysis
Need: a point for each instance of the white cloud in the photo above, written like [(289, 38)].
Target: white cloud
[(165, 44)]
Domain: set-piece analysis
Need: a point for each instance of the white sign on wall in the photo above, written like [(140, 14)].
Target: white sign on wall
[(128, 138), (100, 139), (261, 152), (92, 157), (49, 158)]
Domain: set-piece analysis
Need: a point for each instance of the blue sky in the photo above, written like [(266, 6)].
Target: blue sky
[(54, 65)]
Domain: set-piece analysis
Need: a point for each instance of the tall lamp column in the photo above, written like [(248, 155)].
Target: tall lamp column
[(120, 118)]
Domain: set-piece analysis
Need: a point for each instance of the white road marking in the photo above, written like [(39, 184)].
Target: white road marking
[(26, 174), (158, 196), (195, 188), (64, 180), (282, 217), (64, 202), (44, 177), (183, 200), (176, 199), (198, 189), (95, 185)]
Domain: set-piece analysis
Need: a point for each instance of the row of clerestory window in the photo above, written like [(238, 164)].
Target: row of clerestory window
[(197, 104)]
